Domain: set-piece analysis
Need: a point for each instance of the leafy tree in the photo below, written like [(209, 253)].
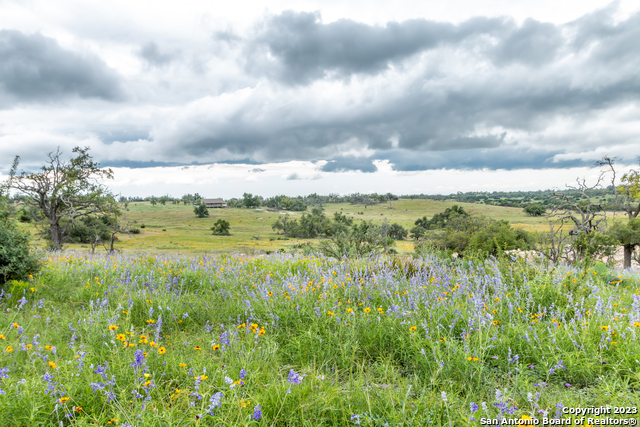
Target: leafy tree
[(201, 210), (628, 234), (628, 200), (64, 191), (418, 232), (153, 200), (17, 260), (535, 209), (438, 221), (288, 226), (251, 201), (286, 203), (397, 232), (221, 227)]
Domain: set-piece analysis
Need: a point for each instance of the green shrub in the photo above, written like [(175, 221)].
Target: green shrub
[(201, 210), (535, 209), (221, 228), (17, 260)]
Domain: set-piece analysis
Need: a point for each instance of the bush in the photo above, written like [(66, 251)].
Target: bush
[(23, 216), (221, 228), (499, 236), (135, 231), (201, 210), (535, 209), (361, 240), (17, 261)]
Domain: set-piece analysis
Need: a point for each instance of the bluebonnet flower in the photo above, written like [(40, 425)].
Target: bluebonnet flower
[(22, 302), (139, 355), (443, 396), (257, 412), (215, 402), (473, 407), (295, 378), (242, 374)]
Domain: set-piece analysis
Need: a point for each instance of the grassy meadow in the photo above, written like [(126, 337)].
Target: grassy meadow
[(176, 228), (282, 340), (183, 328)]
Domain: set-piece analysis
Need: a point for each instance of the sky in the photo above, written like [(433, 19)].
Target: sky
[(299, 97)]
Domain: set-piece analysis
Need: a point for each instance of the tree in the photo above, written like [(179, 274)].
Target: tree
[(221, 228), (627, 233), (627, 199), (64, 191), (251, 201), (535, 209), (397, 232), (201, 210)]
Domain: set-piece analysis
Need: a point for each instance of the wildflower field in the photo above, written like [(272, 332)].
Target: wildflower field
[(285, 340)]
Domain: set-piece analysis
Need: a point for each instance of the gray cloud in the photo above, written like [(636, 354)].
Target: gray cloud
[(485, 93), (534, 44), (350, 164), (306, 49), (151, 53), (37, 68)]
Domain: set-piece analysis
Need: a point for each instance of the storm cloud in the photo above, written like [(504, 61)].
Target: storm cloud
[(36, 68), (305, 49), (484, 92)]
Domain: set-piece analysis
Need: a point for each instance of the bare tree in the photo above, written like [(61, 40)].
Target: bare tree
[(64, 191), (585, 216)]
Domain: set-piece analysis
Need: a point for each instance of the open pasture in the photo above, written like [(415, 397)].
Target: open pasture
[(176, 228), (282, 340)]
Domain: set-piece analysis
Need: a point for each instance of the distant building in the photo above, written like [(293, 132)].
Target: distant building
[(214, 203)]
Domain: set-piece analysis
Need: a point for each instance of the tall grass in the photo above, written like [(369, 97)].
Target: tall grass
[(150, 340)]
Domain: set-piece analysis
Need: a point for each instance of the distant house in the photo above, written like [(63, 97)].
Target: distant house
[(214, 203)]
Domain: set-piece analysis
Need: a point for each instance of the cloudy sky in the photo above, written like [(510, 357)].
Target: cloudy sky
[(295, 97)]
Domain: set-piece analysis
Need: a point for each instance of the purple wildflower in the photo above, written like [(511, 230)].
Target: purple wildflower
[(257, 412), (139, 355)]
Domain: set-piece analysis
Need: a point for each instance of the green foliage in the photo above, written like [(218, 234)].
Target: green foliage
[(594, 245), (23, 216), (375, 342), (221, 228), (397, 232), (498, 236), (251, 201), (17, 259), (201, 210), (286, 203), (361, 240), (535, 209), (438, 221), (86, 229), (64, 191), (310, 226), (626, 232)]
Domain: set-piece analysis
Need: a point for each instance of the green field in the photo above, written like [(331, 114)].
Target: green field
[(282, 340), (176, 228)]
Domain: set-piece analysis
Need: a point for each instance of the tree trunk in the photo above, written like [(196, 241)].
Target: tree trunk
[(56, 236), (628, 250)]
